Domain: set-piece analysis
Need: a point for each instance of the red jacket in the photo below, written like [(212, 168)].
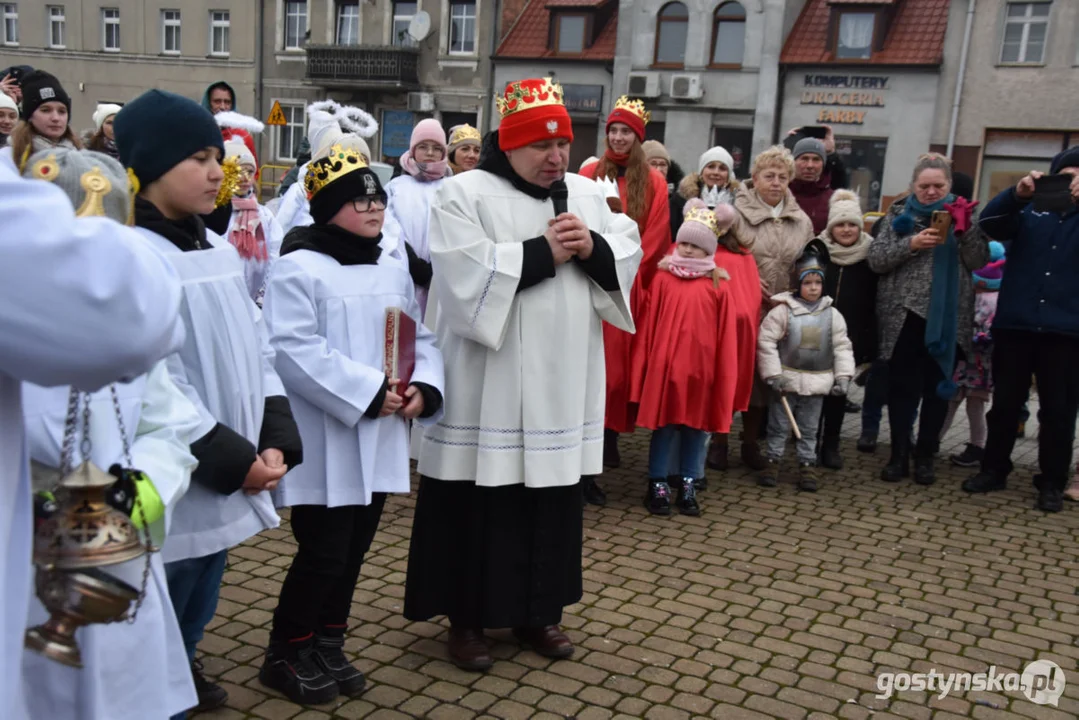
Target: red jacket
[(813, 199)]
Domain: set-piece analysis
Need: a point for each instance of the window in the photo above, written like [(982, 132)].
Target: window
[(290, 135), (348, 23), (854, 39), (1025, 28), (170, 32), (402, 18), (671, 28), (569, 33), (295, 24), (463, 27), (110, 30), (219, 32), (11, 24), (729, 35), (56, 27)]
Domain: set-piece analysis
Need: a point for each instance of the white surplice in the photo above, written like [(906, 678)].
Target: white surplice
[(408, 215), (134, 671), (525, 374), (295, 210), (81, 301), (256, 271), (326, 323), (225, 367)]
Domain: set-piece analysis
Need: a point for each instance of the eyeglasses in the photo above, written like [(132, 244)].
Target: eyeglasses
[(365, 204)]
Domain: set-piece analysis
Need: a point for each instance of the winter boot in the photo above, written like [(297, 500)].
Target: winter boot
[(290, 667), (924, 473), (752, 420), (898, 466), (808, 476), (1050, 497), (687, 497), (867, 442), (829, 454), (658, 497), (717, 453), (769, 475), (211, 695), (330, 656)]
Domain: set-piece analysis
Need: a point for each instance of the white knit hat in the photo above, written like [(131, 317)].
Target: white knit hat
[(329, 124), (103, 112), (717, 154), (236, 148), (6, 103), (844, 207)]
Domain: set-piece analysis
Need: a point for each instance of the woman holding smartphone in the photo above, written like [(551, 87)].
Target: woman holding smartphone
[(925, 254)]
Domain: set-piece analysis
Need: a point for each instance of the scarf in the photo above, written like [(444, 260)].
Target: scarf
[(187, 234), (343, 246), (688, 268), (619, 159), (844, 255), (247, 236), (424, 172), (942, 325), (494, 161)]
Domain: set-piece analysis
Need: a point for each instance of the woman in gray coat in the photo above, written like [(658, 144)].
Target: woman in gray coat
[(925, 309)]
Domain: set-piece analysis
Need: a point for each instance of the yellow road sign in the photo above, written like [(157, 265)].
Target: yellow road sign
[(277, 115)]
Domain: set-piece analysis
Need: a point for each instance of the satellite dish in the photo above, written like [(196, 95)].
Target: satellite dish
[(420, 27)]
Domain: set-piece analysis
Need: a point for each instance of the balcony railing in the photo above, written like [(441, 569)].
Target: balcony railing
[(373, 66)]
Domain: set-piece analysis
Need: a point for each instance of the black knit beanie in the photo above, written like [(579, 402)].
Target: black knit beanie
[(158, 130), (1068, 158), (39, 87)]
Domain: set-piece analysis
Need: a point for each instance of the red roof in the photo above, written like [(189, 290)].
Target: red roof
[(529, 36), (915, 35)]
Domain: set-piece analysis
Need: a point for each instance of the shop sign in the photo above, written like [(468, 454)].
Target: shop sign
[(396, 132), (583, 98), (843, 92)]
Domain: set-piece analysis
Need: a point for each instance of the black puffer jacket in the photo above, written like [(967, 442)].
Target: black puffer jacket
[(853, 289)]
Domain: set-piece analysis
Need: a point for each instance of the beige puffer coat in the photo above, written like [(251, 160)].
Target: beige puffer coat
[(774, 329), (775, 242)]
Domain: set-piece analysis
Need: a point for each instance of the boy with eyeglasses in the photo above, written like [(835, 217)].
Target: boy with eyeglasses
[(325, 308)]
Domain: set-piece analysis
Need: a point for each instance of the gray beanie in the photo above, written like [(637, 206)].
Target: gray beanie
[(96, 184), (810, 145)]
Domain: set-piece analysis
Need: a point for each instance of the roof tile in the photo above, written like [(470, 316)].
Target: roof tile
[(528, 38), (916, 35)]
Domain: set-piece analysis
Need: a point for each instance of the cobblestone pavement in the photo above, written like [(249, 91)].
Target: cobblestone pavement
[(772, 604)]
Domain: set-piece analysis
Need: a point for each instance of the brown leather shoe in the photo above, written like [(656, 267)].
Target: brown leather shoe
[(468, 649), (548, 641)]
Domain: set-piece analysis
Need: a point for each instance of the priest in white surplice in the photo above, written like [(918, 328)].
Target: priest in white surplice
[(521, 295)]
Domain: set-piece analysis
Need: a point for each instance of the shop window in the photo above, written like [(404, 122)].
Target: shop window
[(569, 32), (729, 35), (1025, 27), (672, 27), (403, 12), (290, 135), (864, 160), (462, 27), (738, 142), (348, 22), (854, 35), (295, 24), (655, 131)]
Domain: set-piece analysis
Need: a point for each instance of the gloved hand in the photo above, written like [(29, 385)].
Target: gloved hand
[(781, 383), (839, 389)]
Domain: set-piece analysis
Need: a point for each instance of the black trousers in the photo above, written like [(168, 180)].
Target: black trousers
[(913, 376), (835, 407), (1052, 359), (318, 589)]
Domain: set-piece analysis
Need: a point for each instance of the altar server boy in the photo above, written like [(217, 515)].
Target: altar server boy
[(325, 309), (246, 438)]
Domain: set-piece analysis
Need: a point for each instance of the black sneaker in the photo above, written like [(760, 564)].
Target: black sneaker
[(330, 656), (769, 476), (658, 498), (211, 695), (687, 497), (867, 443), (1050, 499), (984, 482), (290, 668), (591, 491), (970, 457)]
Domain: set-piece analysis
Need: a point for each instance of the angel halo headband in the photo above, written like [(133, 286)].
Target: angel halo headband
[(350, 119)]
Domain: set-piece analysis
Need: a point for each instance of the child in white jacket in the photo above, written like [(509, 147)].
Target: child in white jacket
[(804, 354), (253, 230)]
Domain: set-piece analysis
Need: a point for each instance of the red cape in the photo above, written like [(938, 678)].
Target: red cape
[(745, 288), (617, 344)]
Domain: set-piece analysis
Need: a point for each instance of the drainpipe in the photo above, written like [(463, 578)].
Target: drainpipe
[(488, 111), (259, 39), (959, 80)]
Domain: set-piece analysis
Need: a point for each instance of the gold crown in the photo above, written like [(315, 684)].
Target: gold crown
[(704, 216), (340, 162), (633, 106), (528, 94), (464, 133)]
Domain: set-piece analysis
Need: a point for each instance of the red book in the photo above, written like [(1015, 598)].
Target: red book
[(400, 347)]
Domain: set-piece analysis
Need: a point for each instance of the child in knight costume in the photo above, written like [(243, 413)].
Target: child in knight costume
[(136, 671), (804, 355)]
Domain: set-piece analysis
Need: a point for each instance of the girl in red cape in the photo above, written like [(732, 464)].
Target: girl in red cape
[(693, 361), (643, 194)]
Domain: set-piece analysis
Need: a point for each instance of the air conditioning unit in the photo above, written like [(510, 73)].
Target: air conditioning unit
[(421, 101), (686, 87), (644, 85)]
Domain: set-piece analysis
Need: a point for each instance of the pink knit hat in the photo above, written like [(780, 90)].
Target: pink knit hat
[(429, 129), (703, 227)]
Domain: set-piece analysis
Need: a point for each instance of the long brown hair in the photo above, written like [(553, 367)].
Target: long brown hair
[(97, 141), (638, 180), (22, 142)]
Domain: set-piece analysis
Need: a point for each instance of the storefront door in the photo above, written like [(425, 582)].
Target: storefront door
[(584, 144), (738, 142), (864, 160)]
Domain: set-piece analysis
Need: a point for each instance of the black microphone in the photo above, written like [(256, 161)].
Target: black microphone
[(559, 195)]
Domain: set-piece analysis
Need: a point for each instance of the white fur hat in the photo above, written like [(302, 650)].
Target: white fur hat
[(236, 148), (844, 207), (329, 124), (103, 112), (6, 103), (717, 154)]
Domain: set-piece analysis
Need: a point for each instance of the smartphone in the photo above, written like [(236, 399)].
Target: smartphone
[(1052, 193), (941, 222), (815, 131)]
